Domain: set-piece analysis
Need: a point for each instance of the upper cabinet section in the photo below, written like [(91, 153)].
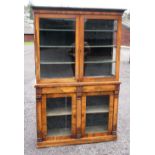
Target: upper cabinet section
[(73, 46)]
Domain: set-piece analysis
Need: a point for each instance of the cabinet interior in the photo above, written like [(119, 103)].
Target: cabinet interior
[(97, 111), (58, 113), (99, 51), (57, 47)]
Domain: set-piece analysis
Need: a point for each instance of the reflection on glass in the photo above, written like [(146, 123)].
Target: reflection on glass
[(57, 48), (99, 51)]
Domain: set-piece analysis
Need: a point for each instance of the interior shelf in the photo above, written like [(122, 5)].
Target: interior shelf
[(100, 30), (97, 109), (55, 63), (59, 30), (48, 46), (58, 112), (92, 129), (87, 62), (58, 106), (59, 132), (99, 46), (70, 30), (90, 46), (98, 62)]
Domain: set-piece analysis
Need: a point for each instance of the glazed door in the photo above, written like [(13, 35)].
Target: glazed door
[(101, 45), (97, 112), (59, 115), (57, 48)]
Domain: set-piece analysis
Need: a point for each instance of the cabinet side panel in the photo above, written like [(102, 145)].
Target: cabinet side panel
[(118, 44), (44, 119), (111, 108), (115, 113), (37, 50), (74, 118), (38, 115)]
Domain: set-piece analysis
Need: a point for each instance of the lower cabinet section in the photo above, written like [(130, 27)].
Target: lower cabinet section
[(76, 118)]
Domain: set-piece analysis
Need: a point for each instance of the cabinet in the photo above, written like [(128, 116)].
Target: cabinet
[(77, 57)]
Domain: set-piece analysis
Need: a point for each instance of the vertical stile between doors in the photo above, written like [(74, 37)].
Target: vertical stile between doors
[(77, 40), (74, 118), (79, 47), (81, 51)]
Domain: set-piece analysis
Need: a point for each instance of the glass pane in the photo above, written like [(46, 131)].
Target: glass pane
[(97, 111), (56, 70), (57, 48), (96, 123), (100, 47), (58, 111)]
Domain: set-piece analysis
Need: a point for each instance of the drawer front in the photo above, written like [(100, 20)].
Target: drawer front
[(99, 88), (74, 89), (58, 90)]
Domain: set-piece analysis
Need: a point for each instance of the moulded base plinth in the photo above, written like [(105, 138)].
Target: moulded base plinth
[(71, 141)]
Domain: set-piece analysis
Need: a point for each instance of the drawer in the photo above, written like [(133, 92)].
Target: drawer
[(50, 90), (99, 88)]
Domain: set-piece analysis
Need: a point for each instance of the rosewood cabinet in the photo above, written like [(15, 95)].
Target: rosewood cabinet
[(77, 57)]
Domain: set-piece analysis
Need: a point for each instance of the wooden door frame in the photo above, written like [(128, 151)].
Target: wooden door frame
[(110, 115), (44, 118), (118, 18), (37, 47)]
